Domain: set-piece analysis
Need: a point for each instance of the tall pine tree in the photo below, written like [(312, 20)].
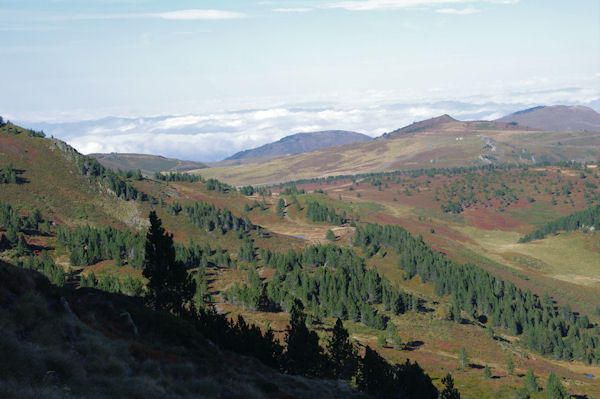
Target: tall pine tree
[(170, 287), (555, 389), (304, 355), (342, 352)]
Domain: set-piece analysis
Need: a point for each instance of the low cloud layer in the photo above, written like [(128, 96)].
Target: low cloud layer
[(215, 136)]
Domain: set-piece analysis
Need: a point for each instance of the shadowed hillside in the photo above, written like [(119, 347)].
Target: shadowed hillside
[(86, 343)]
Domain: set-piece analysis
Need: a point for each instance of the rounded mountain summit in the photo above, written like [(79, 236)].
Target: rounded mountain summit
[(301, 142)]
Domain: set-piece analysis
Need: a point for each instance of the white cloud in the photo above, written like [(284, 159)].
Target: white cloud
[(212, 136), (197, 14), (292, 10), (270, 114), (464, 11), (368, 5), (181, 15)]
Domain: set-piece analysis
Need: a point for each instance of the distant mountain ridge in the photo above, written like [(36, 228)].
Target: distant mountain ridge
[(301, 142), (426, 124), (439, 142), (556, 118)]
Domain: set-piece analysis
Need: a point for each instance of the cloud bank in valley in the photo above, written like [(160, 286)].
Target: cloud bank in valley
[(217, 135)]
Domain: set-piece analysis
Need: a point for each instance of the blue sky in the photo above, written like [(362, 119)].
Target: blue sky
[(75, 60)]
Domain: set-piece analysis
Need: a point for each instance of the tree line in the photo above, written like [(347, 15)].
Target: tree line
[(178, 177), (327, 280), (429, 172), (549, 330), (316, 212), (589, 218), (89, 245), (14, 225), (45, 265), (92, 168), (208, 217)]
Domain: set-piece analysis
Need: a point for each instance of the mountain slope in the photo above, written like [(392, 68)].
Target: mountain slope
[(300, 143), (146, 163), (556, 118), (426, 124), (62, 342), (50, 178), (438, 142)]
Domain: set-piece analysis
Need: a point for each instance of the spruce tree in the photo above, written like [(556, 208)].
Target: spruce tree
[(170, 287), (555, 389), (449, 391), (413, 382), (530, 382), (304, 355), (487, 373), (342, 353), (280, 207), (463, 358), (330, 235), (375, 375), (510, 366)]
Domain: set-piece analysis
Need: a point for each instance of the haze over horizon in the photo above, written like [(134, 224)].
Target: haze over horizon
[(203, 80)]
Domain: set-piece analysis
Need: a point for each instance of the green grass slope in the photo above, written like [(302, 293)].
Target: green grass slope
[(50, 180)]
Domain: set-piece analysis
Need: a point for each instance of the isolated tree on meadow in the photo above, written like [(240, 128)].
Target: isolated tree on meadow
[(280, 207), (510, 366), (330, 235), (170, 287), (463, 358), (530, 382), (487, 373), (555, 389)]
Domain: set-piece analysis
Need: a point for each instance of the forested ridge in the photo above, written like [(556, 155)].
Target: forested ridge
[(89, 245), (95, 170), (589, 218), (430, 172), (327, 280), (556, 332)]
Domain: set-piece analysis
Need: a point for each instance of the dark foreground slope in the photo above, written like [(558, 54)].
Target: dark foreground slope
[(62, 343), (556, 118), (300, 143)]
